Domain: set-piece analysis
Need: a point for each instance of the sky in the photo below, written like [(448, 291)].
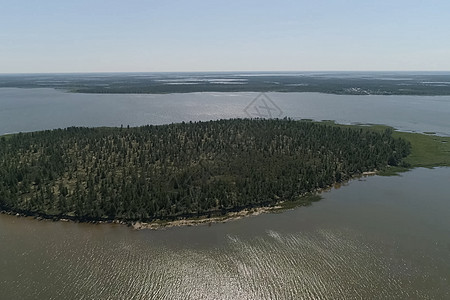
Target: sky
[(62, 36)]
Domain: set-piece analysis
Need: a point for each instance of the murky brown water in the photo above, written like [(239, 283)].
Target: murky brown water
[(376, 238)]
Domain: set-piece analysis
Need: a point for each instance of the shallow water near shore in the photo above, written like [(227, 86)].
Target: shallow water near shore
[(376, 237)]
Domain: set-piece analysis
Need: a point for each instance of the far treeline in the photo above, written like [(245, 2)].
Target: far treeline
[(183, 170), (342, 83)]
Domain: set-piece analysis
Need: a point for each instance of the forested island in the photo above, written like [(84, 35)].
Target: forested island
[(183, 170)]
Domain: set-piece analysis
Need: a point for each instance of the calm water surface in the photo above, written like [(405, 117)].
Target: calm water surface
[(375, 238), (36, 109)]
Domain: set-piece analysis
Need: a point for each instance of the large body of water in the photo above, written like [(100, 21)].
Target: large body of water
[(37, 109), (373, 238)]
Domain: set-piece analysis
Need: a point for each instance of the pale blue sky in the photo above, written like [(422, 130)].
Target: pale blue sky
[(150, 36)]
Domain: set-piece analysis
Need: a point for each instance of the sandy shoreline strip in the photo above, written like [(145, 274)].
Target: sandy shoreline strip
[(203, 221)]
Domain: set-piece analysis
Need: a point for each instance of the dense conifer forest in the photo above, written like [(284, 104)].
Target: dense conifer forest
[(185, 169)]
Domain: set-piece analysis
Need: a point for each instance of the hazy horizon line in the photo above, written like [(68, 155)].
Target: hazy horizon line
[(237, 71)]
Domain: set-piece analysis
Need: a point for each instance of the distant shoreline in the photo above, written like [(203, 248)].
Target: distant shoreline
[(168, 92), (284, 91), (337, 82)]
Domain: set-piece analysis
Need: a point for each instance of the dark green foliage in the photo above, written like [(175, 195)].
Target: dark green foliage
[(185, 169)]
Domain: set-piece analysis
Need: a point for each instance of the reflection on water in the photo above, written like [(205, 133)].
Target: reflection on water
[(377, 238), (38, 109)]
